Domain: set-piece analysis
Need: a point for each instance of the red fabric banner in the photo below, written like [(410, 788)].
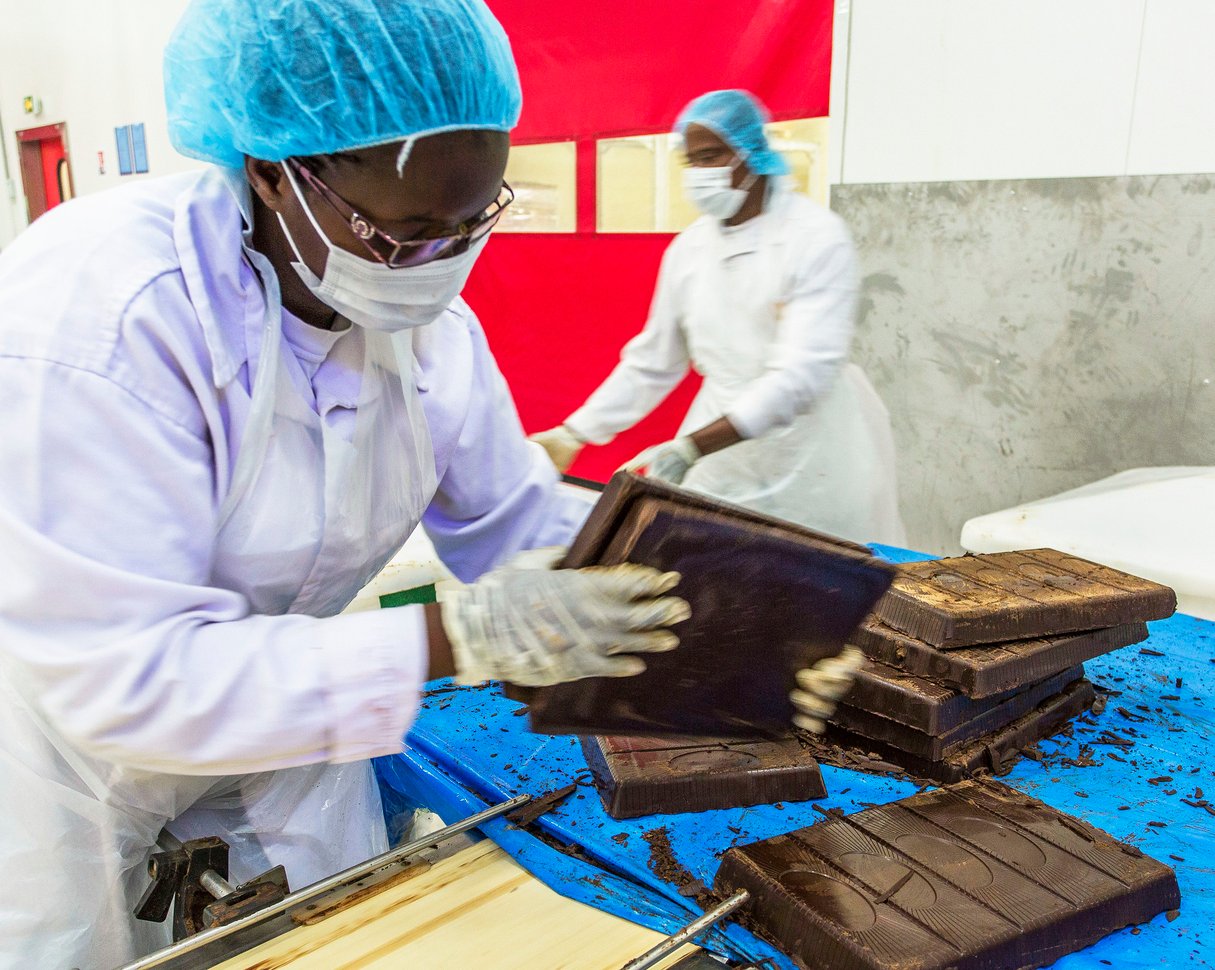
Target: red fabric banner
[(558, 308)]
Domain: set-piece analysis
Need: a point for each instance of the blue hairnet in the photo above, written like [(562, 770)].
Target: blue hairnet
[(277, 78), (738, 119)]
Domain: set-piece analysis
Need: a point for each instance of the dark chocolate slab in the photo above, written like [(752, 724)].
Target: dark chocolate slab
[(872, 724), (616, 503), (993, 669), (993, 753), (1004, 596), (976, 876), (766, 600), (646, 776)]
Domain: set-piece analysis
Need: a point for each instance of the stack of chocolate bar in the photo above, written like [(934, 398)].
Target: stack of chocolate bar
[(971, 660)]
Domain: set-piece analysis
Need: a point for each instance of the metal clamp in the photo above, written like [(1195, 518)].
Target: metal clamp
[(192, 878)]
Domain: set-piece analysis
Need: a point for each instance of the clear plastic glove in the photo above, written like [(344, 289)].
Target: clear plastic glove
[(535, 626), (669, 461), (562, 445), (820, 688)]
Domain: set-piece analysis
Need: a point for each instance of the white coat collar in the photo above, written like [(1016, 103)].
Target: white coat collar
[(212, 225)]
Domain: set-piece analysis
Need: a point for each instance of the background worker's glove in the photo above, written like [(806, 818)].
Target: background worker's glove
[(535, 626), (820, 688), (562, 445), (669, 461)]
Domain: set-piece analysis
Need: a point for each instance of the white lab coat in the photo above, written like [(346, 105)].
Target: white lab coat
[(172, 556), (764, 312)]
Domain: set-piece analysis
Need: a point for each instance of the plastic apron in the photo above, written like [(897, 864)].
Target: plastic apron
[(92, 824), (832, 468)]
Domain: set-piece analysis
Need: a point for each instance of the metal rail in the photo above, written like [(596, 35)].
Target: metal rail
[(273, 920), (676, 940)]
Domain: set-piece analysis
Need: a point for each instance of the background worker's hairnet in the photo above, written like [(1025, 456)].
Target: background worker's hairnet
[(279, 78), (738, 119)]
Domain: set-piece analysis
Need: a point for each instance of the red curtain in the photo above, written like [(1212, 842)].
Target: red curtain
[(558, 308)]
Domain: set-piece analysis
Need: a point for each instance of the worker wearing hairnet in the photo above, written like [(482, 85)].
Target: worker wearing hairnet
[(230, 396), (759, 296)]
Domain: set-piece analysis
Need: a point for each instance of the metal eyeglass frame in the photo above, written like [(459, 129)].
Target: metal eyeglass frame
[(407, 252)]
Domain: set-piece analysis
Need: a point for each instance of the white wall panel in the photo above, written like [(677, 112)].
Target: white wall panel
[(1174, 128), (943, 90), (96, 64)]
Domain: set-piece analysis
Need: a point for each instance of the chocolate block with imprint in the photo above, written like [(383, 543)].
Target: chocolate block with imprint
[(646, 776), (767, 599), (976, 876), (992, 669), (874, 718), (993, 753), (1004, 596)]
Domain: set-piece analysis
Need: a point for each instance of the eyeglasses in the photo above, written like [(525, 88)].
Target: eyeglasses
[(709, 158), (398, 253)]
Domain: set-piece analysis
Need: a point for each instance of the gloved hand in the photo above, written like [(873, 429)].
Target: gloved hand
[(822, 686), (561, 444), (535, 626), (669, 461)]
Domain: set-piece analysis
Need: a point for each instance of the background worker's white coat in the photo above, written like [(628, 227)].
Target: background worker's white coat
[(173, 546), (764, 311)]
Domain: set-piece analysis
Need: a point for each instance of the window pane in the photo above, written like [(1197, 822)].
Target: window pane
[(640, 180), (544, 178)]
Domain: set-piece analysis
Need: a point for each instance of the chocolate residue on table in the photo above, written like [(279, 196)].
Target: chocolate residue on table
[(667, 868)]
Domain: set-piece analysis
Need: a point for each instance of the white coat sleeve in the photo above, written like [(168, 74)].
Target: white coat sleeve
[(651, 365), (814, 336), (110, 629), (499, 493)]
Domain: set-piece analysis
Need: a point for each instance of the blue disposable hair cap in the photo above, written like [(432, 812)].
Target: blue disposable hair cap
[(281, 78), (738, 119)]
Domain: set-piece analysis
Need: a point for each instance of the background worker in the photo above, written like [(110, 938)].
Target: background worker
[(759, 297)]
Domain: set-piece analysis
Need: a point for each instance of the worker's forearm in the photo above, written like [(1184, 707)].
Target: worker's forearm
[(442, 663), (716, 436)]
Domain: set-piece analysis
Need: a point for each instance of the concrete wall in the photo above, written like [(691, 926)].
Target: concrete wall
[(1031, 336)]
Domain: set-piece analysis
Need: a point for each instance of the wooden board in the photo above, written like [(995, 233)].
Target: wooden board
[(477, 908)]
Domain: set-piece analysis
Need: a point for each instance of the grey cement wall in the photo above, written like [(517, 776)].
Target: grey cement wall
[(1031, 336)]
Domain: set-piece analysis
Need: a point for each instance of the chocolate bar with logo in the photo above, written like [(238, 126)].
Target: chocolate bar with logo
[(986, 671), (646, 776), (975, 876), (767, 599), (885, 706), (993, 753), (1004, 596)]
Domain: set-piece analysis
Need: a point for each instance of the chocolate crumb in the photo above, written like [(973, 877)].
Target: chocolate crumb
[(1148, 652), (1172, 914), (1176, 858), (1158, 825)]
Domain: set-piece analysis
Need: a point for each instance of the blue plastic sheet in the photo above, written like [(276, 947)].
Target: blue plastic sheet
[(469, 748)]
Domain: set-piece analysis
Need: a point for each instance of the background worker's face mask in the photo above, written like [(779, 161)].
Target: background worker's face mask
[(712, 190), (376, 296)]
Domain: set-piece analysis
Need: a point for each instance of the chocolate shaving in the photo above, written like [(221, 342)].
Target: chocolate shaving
[(906, 878), (538, 806), (1148, 652)]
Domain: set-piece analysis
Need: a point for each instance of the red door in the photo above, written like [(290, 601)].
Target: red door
[(46, 173)]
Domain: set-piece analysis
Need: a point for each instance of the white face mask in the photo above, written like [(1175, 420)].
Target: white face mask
[(712, 192), (374, 296)]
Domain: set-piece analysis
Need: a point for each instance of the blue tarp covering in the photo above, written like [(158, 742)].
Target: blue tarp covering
[(469, 748)]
